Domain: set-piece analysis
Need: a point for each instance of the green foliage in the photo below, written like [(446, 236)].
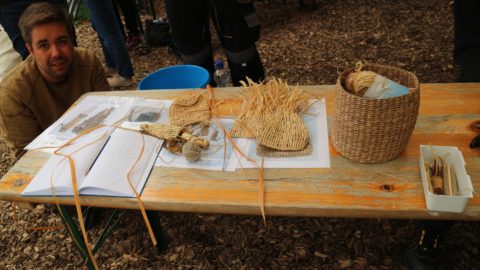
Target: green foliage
[(82, 14)]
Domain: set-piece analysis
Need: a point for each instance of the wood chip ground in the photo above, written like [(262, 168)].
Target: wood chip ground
[(300, 46)]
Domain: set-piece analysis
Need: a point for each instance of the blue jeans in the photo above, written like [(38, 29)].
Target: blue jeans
[(105, 22), (10, 15)]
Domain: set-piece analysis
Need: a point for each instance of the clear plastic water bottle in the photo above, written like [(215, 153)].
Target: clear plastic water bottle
[(221, 75)]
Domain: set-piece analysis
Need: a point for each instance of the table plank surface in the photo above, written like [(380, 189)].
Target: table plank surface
[(347, 189)]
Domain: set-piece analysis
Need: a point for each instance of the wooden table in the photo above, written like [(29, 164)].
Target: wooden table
[(347, 189)]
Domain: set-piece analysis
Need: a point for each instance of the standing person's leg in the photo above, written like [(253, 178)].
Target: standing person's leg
[(9, 15), (105, 23), (130, 13), (119, 19), (110, 69), (189, 22), (238, 27), (467, 39)]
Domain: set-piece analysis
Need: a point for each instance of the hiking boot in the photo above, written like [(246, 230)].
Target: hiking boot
[(119, 81)]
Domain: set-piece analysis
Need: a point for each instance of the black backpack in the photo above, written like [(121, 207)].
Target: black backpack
[(157, 33)]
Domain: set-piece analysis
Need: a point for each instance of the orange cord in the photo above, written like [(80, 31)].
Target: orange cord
[(261, 178)]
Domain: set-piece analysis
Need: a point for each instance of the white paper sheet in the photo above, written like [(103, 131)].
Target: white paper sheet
[(107, 109), (316, 122)]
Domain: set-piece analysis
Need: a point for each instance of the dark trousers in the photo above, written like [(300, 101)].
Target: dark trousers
[(10, 12), (189, 20), (237, 26), (130, 14), (467, 39), (104, 21)]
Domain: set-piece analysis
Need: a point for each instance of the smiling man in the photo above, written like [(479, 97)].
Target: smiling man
[(39, 90)]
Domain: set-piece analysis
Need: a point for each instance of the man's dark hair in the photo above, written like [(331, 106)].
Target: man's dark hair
[(42, 13)]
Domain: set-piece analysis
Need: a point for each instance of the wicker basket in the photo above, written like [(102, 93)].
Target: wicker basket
[(374, 130)]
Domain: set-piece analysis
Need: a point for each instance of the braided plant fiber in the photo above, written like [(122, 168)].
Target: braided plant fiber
[(162, 131), (271, 113), (189, 109), (358, 82), (374, 130)]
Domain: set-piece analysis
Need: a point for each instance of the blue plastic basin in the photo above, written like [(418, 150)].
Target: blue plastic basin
[(176, 77)]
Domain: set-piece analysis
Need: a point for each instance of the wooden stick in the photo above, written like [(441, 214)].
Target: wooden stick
[(449, 180), (444, 174), (199, 141), (454, 183), (434, 158), (427, 168)]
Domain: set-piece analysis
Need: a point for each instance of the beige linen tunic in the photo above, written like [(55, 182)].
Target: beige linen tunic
[(29, 104)]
